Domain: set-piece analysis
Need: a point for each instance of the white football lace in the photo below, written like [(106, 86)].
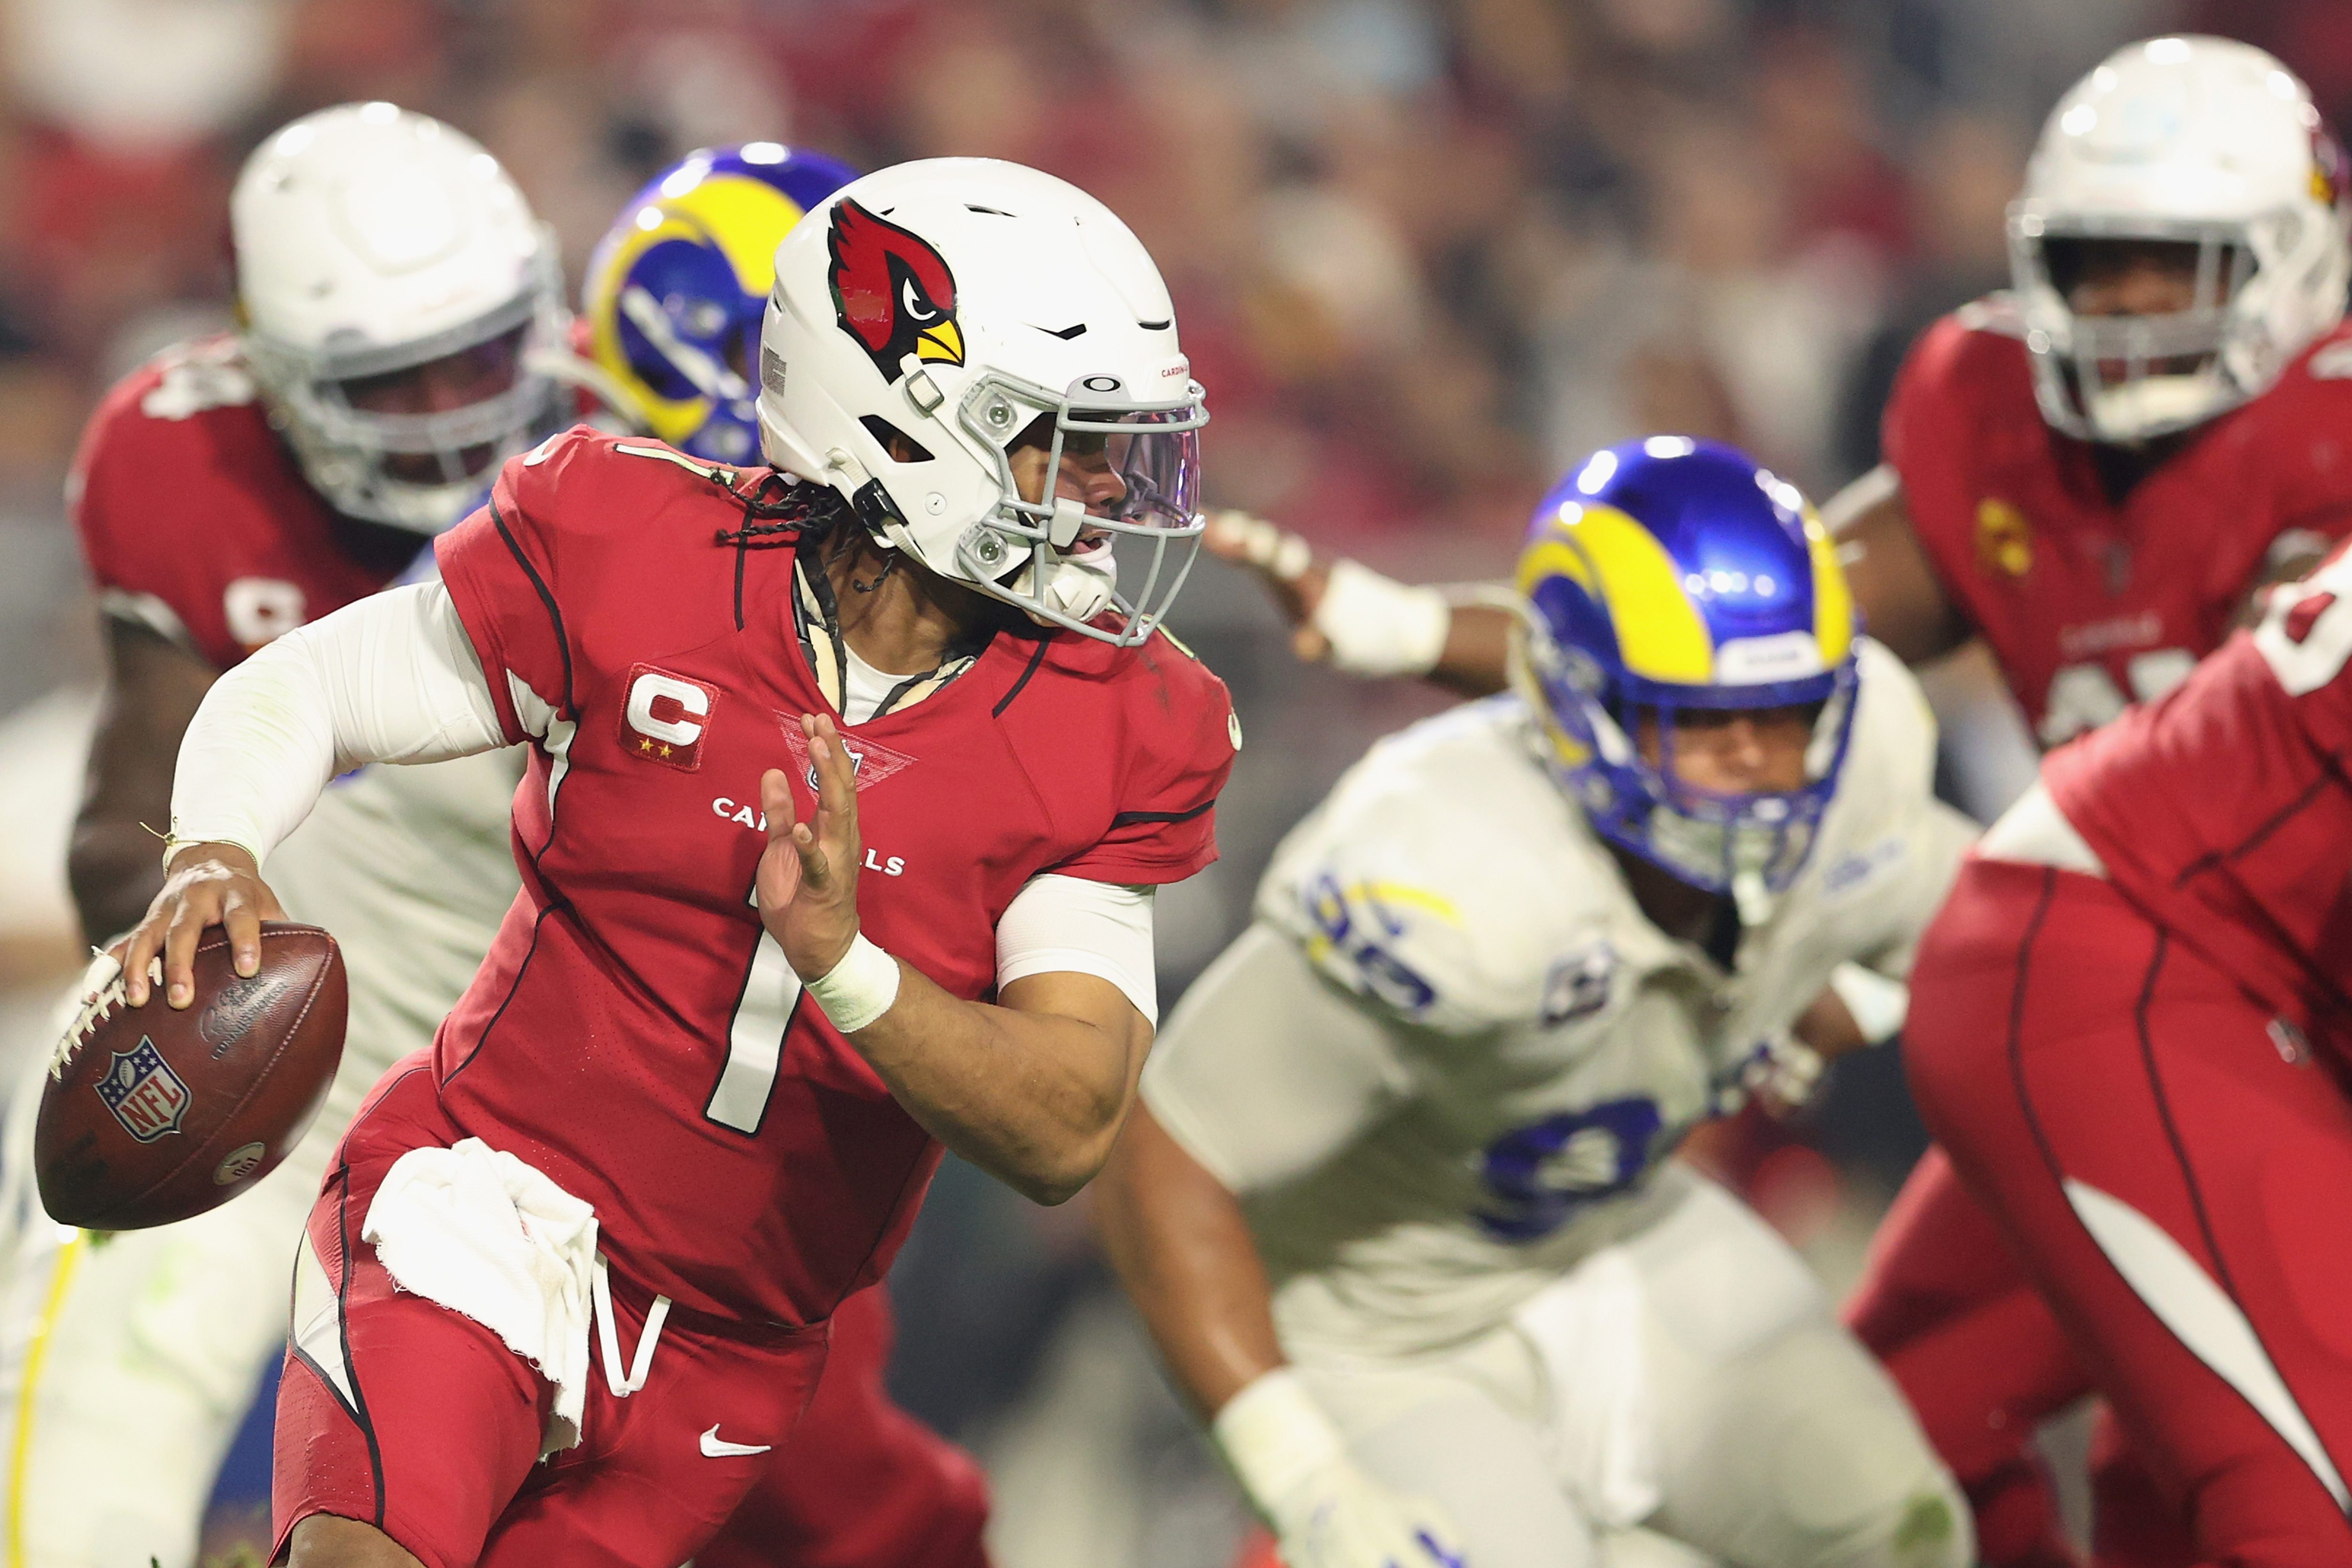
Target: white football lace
[(102, 992)]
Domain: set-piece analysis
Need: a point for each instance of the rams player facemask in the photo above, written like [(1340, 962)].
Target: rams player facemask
[(676, 289), (1666, 578)]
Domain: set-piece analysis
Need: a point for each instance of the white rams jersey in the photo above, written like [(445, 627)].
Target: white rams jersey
[(1443, 1065), (411, 868)]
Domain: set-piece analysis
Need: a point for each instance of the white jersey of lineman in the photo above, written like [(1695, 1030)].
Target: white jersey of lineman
[(412, 869), (139, 1354), (1543, 1046), (1443, 1072)]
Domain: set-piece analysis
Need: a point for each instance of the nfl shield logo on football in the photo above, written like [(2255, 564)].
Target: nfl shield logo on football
[(145, 1095)]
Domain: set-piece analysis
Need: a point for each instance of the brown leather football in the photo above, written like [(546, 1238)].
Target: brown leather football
[(157, 1114)]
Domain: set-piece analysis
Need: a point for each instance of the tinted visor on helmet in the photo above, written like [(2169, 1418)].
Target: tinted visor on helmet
[(1086, 482)]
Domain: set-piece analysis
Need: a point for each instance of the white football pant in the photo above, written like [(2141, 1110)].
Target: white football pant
[(1695, 1381)]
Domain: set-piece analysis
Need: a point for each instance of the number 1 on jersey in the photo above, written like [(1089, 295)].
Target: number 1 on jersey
[(764, 1012)]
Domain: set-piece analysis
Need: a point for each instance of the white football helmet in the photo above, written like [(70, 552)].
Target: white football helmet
[(369, 241), (2201, 140), (948, 306)]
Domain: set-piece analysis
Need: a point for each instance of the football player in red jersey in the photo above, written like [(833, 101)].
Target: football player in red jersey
[(391, 353), (848, 786), (2092, 473), (2132, 1035), (671, 313), (288, 501)]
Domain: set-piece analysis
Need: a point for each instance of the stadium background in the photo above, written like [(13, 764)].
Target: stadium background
[(1424, 252)]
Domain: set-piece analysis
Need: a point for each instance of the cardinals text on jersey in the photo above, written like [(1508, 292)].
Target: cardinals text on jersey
[(633, 1035)]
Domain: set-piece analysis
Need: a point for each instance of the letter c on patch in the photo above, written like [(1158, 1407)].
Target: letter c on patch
[(686, 703)]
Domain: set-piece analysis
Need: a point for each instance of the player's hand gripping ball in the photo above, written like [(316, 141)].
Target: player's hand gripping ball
[(155, 1114)]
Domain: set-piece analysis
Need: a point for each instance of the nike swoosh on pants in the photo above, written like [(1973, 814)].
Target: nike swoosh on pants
[(714, 1447)]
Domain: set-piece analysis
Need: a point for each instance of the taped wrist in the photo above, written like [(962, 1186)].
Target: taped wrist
[(1380, 626), (1285, 556), (860, 989), (1278, 1440)]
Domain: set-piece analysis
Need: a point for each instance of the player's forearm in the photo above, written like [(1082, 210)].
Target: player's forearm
[(1181, 1246), (1888, 570), (154, 687), (1475, 660), (1032, 1096), (1370, 623), (389, 678)]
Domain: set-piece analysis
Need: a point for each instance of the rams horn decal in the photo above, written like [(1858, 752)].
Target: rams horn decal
[(892, 292)]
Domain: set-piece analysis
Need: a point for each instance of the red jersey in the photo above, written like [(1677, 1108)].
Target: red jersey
[(193, 516), (632, 1033), (2224, 811), (2089, 603)]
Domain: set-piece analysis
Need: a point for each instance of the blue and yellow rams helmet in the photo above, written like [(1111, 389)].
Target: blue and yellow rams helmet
[(1669, 575), (676, 287)]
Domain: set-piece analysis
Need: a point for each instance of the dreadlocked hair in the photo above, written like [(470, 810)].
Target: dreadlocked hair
[(776, 511)]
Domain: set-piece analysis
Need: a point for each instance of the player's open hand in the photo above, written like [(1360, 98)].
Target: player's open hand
[(207, 885), (1285, 563), (807, 883)]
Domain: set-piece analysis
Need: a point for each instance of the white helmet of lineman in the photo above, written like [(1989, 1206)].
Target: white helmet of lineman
[(945, 309), (371, 241), (2203, 141)]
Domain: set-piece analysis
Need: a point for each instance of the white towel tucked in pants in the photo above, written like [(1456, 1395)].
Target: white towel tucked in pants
[(481, 1233)]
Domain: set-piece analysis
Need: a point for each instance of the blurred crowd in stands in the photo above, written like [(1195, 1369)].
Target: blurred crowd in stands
[(1424, 252)]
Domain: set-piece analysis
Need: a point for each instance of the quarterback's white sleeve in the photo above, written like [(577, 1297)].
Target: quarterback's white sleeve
[(391, 678), (1266, 1071), (1070, 925)]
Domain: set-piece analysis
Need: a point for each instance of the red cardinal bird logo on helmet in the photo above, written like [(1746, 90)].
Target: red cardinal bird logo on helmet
[(892, 292)]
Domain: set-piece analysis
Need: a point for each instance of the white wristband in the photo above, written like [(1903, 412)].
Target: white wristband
[(1277, 1438), (860, 988), (1377, 625)]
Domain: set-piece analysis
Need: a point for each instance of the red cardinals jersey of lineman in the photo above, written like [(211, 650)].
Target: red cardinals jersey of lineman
[(2225, 810), (633, 1034), (193, 516), (2088, 603)]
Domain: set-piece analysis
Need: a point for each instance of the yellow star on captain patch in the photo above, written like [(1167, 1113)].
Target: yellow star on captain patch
[(665, 751), (643, 745)]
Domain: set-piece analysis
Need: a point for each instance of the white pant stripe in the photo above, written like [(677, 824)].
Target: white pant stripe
[(318, 1325), (2203, 1317)]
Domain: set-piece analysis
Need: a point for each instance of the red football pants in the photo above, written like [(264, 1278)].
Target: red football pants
[(861, 1483), (2171, 1172), (1945, 1304), (404, 1414)]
